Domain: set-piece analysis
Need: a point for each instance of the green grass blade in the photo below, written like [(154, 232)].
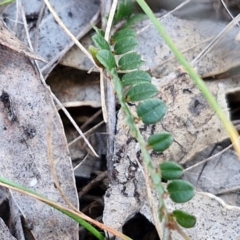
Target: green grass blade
[(82, 222)]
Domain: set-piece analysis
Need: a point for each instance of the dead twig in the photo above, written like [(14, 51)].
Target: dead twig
[(92, 184)]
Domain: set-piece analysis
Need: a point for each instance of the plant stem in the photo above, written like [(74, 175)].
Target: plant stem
[(148, 166)]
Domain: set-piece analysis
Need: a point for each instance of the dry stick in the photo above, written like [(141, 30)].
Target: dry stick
[(18, 6), (226, 8), (50, 157), (92, 184), (82, 161), (165, 15), (110, 20), (208, 159), (181, 232), (176, 8), (95, 115), (73, 122), (105, 10), (182, 51), (235, 189), (81, 103), (54, 174), (103, 96), (103, 81), (40, 16), (237, 125), (215, 40), (86, 133), (109, 97), (104, 85), (83, 32)]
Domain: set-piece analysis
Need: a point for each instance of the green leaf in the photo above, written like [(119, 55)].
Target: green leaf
[(156, 179), (134, 19), (94, 52), (136, 77), (151, 111), (141, 91), (98, 31), (171, 170), (106, 58), (184, 219), (125, 45), (124, 10), (130, 61), (100, 42), (160, 142), (126, 32), (180, 191)]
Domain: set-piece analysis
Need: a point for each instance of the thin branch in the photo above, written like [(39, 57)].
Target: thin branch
[(86, 133), (110, 20), (229, 13), (208, 159), (54, 174)]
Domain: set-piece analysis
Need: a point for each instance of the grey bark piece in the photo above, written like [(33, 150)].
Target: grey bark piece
[(28, 118)]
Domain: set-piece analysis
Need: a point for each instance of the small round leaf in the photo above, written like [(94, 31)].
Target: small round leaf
[(160, 142), (100, 42), (180, 191), (134, 19), (125, 45), (106, 58), (136, 77), (130, 61), (171, 170), (141, 91), (124, 10), (125, 32), (151, 111), (184, 219)]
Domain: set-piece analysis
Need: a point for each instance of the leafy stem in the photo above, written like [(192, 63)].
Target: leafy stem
[(135, 86), (136, 133)]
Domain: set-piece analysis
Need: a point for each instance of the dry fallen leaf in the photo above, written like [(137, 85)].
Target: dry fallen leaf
[(47, 37), (33, 137), (8, 40)]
